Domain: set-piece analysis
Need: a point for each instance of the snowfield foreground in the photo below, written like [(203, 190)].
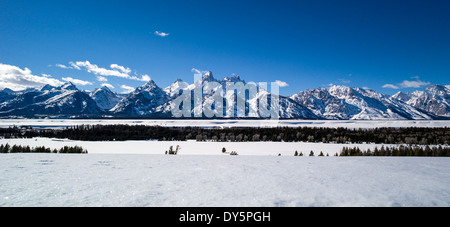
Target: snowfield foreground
[(214, 180), (192, 147)]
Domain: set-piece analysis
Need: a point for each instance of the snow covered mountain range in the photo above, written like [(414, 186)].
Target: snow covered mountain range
[(151, 101)]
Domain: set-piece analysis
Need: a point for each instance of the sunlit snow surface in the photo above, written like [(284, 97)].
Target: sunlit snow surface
[(137, 173), (203, 180)]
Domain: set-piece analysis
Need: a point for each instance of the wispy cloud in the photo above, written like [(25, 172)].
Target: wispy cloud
[(76, 81), (161, 34), (121, 68), (114, 70), (413, 84), (281, 83), (101, 79), (146, 78), (127, 89), (107, 85), (62, 66), (15, 78), (390, 86), (417, 83)]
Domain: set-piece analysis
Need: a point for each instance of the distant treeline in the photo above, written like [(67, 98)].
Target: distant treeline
[(411, 135), (427, 151), (42, 149)]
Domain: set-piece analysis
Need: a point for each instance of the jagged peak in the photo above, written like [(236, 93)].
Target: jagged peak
[(7, 90), (208, 76), (150, 84), (435, 87), (47, 87), (103, 89), (335, 86), (340, 90), (68, 86), (233, 78)]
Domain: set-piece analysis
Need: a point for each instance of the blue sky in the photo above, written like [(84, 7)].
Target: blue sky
[(383, 45)]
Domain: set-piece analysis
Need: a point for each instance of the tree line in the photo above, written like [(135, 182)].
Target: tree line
[(422, 151), (410, 135), (41, 149)]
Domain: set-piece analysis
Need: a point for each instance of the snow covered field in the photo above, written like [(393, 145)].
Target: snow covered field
[(211, 180), (137, 173), (55, 123), (192, 147)]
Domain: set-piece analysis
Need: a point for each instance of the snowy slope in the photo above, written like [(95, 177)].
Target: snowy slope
[(288, 107), (145, 100), (434, 99), (342, 102), (63, 100), (224, 181), (151, 101), (105, 98)]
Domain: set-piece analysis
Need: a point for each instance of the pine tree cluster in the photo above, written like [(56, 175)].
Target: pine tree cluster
[(411, 135), (423, 151), (41, 149)]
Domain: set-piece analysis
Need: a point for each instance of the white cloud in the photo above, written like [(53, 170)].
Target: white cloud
[(115, 70), (74, 66), (121, 68), (408, 84), (76, 81), (413, 84), (161, 34), (108, 85), (92, 68), (62, 66), (390, 86), (146, 78), (281, 83), (46, 75), (127, 89), (101, 79), (15, 78)]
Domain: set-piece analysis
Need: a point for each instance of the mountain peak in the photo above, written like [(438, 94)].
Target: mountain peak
[(234, 79), (7, 90), (105, 98), (402, 96), (150, 85), (46, 87), (68, 86), (208, 76), (436, 89), (340, 90), (105, 88)]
